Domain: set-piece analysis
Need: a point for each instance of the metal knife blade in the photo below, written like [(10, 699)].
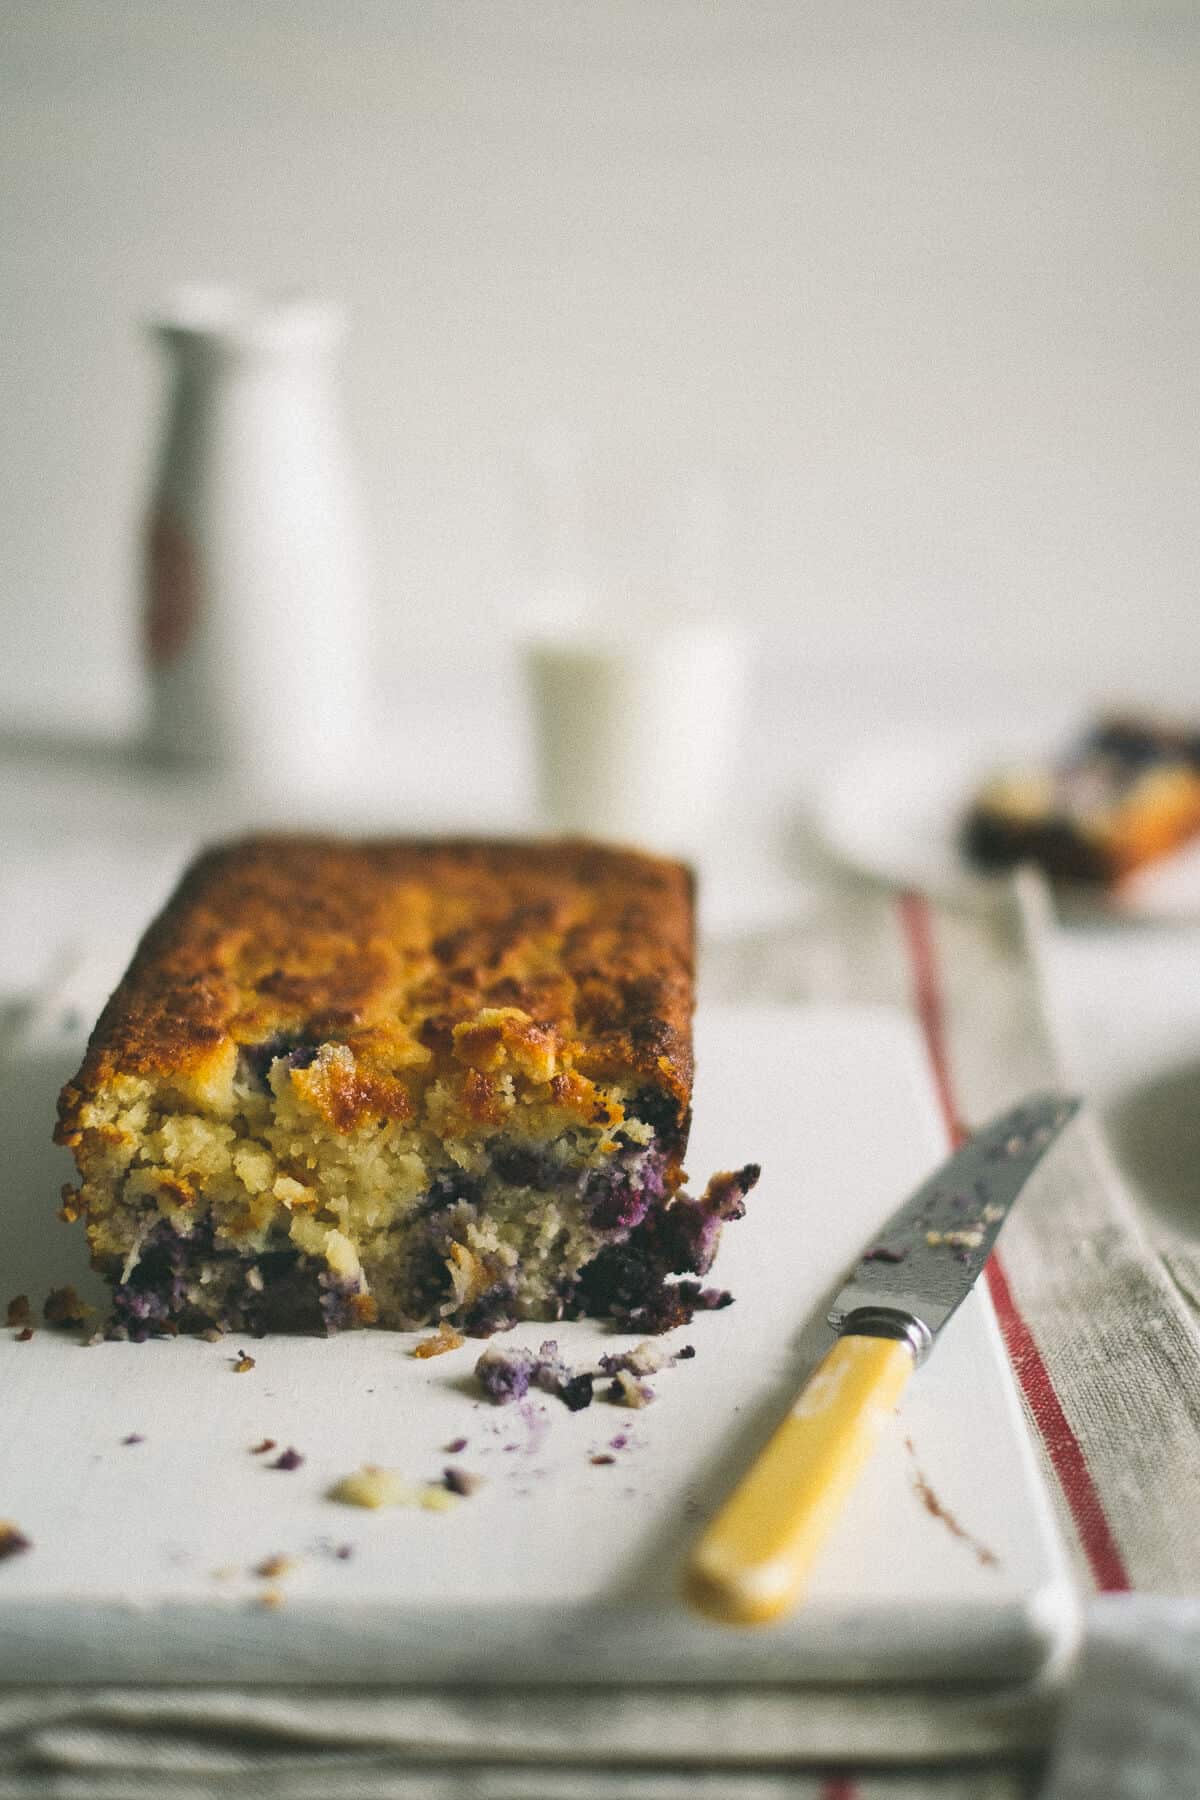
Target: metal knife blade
[(927, 1257)]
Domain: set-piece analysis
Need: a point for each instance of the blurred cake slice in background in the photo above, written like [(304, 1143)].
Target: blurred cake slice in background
[(1121, 796)]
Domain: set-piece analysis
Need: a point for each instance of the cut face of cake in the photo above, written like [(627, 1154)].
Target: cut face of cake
[(398, 1083)]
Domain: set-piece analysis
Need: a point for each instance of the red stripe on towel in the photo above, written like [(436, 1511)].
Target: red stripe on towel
[(1062, 1446), (927, 995), (839, 1787)]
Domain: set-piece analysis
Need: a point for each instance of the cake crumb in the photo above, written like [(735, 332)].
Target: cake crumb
[(602, 1460), (24, 1335), (289, 1459), (437, 1499), (242, 1363), (19, 1311), (507, 1375), (969, 1238), (272, 1567), (372, 1487), (443, 1339), (646, 1358), (12, 1540), (135, 1437), (459, 1481), (63, 1306), (455, 1446), (271, 1598), (626, 1390), (261, 1449)]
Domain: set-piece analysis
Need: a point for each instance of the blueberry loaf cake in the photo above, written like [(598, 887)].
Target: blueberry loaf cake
[(1127, 792), (400, 1082)]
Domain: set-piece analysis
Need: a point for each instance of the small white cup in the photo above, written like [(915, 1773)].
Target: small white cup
[(637, 728)]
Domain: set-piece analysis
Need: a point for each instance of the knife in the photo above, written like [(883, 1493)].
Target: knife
[(751, 1561)]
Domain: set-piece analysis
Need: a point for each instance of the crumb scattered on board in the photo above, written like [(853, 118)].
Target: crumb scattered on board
[(626, 1390), (134, 1437), (290, 1458), (261, 1449), (272, 1567), (460, 1481), (12, 1540), (242, 1363), (374, 1487), (443, 1339), (507, 1374), (62, 1306)]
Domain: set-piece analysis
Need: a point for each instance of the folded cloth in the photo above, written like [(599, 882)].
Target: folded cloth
[(225, 1736), (332, 1778), (1131, 1726)]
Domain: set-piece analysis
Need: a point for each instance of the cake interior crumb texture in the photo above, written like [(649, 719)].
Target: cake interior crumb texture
[(400, 1083)]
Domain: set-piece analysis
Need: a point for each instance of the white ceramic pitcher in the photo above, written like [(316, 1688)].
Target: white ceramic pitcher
[(256, 602)]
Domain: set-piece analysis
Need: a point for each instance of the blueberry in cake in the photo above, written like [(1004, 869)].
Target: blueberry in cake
[(1126, 792), (400, 1082)]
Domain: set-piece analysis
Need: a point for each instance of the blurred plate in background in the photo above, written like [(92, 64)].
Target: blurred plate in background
[(893, 810)]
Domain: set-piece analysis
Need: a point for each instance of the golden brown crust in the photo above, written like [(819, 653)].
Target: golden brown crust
[(559, 962)]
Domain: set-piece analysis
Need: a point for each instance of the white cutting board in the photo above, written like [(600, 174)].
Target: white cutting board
[(556, 1569)]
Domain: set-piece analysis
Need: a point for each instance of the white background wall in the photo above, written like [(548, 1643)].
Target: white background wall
[(891, 309)]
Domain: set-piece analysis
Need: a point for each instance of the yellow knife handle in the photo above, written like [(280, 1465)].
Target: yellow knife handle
[(751, 1562)]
